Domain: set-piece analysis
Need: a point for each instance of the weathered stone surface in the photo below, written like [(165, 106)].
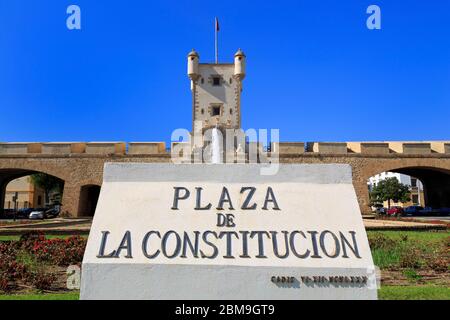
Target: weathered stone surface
[(105, 148), (369, 147), (78, 147), (56, 148), (440, 146), (288, 147), (146, 147), (13, 148), (410, 147), (34, 147), (330, 147), (416, 148), (20, 148)]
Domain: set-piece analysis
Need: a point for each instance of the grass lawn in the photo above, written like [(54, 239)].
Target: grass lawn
[(426, 236), (75, 295), (385, 293), (395, 248), (414, 293)]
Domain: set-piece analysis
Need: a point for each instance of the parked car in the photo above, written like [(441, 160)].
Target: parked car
[(395, 211), (427, 210), (53, 212), (37, 214), (412, 210), (8, 213), (444, 211), (24, 213), (378, 209)]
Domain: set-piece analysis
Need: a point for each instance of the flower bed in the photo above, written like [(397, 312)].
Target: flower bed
[(405, 258), (33, 261)]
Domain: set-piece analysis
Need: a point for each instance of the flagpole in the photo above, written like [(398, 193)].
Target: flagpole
[(216, 41)]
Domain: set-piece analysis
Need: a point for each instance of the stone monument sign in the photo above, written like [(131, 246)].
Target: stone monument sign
[(223, 231)]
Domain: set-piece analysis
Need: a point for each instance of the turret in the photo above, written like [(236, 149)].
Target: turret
[(239, 64), (193, 58)]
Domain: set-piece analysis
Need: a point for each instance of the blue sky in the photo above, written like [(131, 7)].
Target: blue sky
[(313, 68)]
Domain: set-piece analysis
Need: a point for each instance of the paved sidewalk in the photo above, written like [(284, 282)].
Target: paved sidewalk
[(374, 224), (53, 226)]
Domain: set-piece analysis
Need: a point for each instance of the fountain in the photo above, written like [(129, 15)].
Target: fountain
[(216, 142)]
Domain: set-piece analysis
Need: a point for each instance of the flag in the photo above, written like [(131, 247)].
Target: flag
[(217, 24)]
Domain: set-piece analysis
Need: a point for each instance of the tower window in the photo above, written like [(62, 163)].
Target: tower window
[(216, 81), (215, 111), (231, 80), (231, 111), (203, 111)]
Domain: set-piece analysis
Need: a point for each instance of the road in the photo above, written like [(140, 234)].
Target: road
[(441, 218)]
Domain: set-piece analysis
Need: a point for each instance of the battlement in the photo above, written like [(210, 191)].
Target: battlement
[(288, 148)]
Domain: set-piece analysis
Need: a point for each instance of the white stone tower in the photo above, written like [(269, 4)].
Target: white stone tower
[(216, 92)]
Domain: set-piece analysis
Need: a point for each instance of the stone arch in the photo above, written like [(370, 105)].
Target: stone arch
[(74, 170), (9, 174), (435, 180), (89, 194)]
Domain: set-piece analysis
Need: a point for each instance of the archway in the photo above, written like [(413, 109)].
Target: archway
[(34, 200), (435, 181), (88, 200)]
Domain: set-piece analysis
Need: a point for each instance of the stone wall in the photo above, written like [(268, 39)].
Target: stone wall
[(80, 168)]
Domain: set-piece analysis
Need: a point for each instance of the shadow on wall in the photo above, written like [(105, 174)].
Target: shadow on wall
[(88, 200)]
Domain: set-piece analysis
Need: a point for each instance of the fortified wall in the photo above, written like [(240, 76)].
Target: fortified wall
[(80, 164)]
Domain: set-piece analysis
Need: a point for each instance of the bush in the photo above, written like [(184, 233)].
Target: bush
[(62, 252), (10, 272), (32, 236), (4, 282), (28, 240), (27, 259), (438, 264), (380, 241), (439, 259), (41, 280), (410, 258)]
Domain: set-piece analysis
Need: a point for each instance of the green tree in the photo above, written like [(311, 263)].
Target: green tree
[(47, 183), (389, 189)]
